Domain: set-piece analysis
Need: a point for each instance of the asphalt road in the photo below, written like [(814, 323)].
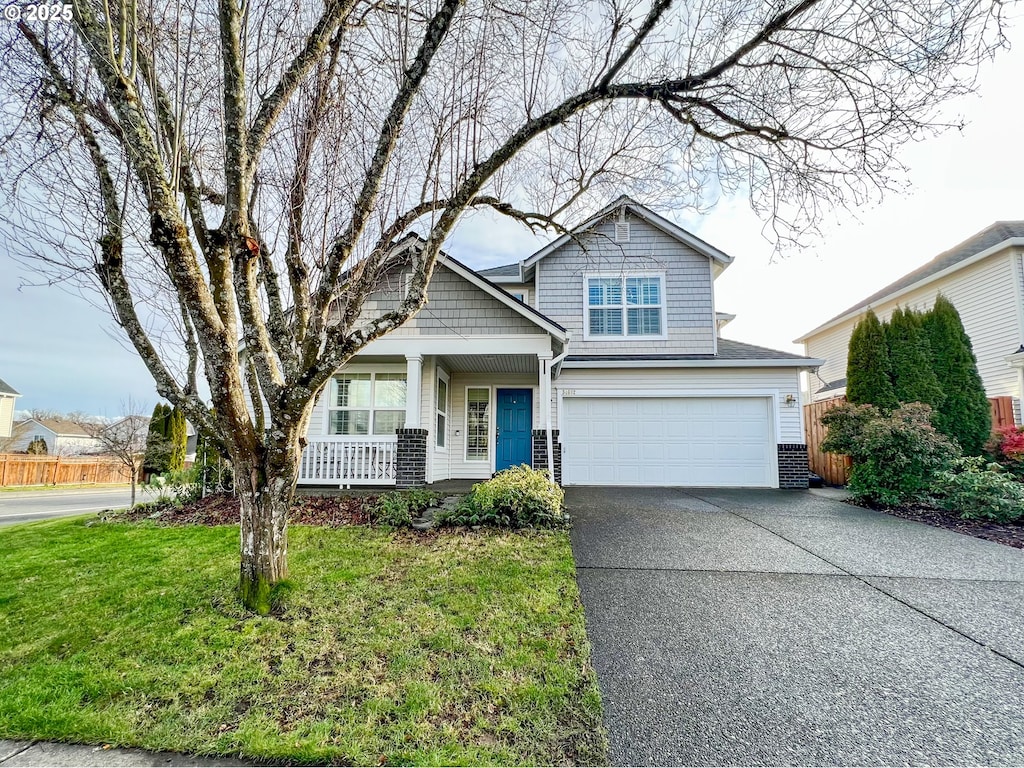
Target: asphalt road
[(27, 506)]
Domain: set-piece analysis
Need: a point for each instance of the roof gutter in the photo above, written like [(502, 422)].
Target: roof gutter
[(789, 362)]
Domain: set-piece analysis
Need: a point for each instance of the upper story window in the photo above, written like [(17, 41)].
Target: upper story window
[(625, 306)]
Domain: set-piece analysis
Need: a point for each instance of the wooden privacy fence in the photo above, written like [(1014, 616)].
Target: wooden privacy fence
[(834, 468), (1002, 411), (22, 469)]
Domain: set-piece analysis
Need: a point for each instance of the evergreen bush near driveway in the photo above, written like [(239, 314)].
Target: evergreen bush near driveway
[(975, 488), (518, 497), (897, 457), (965, 414), (868, 367)]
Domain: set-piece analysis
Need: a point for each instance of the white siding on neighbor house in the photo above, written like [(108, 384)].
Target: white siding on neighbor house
[(986, 296), (6, 416), (723, 382), (454, 307), (688, 287)]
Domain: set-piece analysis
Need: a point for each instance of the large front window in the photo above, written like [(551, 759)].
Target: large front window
[(367, 403), (625, 306)]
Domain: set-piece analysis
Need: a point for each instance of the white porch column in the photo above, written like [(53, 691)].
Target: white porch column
[(413, 385), (544, 363)]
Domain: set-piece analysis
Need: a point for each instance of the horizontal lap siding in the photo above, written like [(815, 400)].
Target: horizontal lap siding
[(984, 295), (785, 380), (689, 313), (454, 306)]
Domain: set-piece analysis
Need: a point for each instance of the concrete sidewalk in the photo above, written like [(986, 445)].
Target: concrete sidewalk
[(789, 628), (45, 753)]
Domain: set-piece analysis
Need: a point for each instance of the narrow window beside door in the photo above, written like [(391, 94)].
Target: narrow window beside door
[(478, 400)]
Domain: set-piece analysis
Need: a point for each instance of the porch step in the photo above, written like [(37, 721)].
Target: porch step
[(426, 521)]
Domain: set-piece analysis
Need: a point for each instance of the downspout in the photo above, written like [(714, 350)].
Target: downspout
[(550, 364)]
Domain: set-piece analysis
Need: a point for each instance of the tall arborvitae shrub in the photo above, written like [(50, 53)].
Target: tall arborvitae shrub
[(868, 372), (964, 414), (178, 437), (910, 360), (157, 457)]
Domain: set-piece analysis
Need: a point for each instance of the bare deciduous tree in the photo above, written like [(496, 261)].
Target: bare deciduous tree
[(125, 440), (236, 175)]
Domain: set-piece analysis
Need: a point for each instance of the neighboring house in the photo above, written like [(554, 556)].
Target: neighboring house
[(7, 397), (598, 356), (983, 277), (62, 437)]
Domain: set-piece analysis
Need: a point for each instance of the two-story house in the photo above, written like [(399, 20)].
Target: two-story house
[(598, 357)]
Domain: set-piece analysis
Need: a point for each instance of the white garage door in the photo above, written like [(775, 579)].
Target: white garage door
[(675, 441)]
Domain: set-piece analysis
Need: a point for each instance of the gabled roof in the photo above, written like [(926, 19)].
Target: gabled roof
[(7, 389), (481, 282), (504, 271), (62, 427), (659, 222), (992, 239)]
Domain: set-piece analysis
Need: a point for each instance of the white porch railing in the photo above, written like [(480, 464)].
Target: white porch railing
[(348, 461)]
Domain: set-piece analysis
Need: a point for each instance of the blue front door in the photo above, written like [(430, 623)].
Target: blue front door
[(515, 424)]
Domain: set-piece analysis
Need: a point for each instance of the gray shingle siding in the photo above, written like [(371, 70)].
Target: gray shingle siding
[(689, 313), (454, 306)]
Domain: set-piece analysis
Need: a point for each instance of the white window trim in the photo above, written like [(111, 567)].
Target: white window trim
[(524, 292), (332, 390), (442, 376), (490, 426), (622, 276)]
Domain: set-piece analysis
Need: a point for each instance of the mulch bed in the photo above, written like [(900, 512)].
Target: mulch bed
[(223, 509), (1010, 534)]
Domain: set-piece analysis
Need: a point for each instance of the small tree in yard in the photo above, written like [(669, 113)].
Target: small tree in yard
[(158, 443), (178, 437), (964, 414), (37, 447), (868, 369), (910, 359), (232, 172), (126, 440)]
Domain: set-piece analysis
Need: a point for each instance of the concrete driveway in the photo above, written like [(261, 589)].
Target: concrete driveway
[(789, 628)]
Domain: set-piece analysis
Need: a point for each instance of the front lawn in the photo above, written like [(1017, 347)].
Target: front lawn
[(451, 648)]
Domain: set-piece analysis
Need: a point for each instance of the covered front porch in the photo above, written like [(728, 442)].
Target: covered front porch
[(456, 409)]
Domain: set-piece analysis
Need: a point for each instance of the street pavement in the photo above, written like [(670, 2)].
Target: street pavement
[(27, 506), (788, 628)]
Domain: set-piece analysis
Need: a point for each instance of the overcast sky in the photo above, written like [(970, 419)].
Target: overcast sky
[(60, 353)]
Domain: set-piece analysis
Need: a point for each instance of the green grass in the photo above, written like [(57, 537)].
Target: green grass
[(459, 649)]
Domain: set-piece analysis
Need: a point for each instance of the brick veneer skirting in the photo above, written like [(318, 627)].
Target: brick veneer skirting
[(540, 452), (411, 458), (792, 465)]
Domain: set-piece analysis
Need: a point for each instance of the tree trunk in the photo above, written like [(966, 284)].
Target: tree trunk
[(266, 494)]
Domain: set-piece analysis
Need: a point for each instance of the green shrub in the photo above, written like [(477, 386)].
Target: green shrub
[(177, 487), (398, 508), (897, 457), (518, 497), (975, 488)]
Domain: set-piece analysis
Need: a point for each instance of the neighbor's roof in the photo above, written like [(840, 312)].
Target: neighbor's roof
[(990, 239), (7, 389), (63, 427)]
